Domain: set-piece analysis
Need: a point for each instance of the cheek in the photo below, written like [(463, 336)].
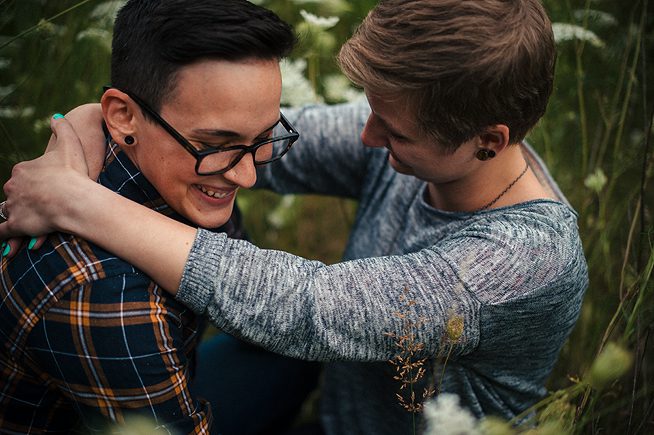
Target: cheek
[(170, 173)]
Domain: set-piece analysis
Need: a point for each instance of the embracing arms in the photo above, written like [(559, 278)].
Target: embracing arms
[(158, 245)]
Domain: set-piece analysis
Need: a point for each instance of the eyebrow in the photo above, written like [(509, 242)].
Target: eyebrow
[(229, 133)]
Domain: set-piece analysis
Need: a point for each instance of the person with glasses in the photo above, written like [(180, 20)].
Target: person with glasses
[(90, 339), (464, 256)]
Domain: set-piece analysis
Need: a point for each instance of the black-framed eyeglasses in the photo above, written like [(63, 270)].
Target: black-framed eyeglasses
[(211, 160)]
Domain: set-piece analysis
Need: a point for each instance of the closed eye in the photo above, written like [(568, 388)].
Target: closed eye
[(397, 137), (228, 145), (211, 146)]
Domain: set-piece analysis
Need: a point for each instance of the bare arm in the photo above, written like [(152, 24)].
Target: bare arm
[(39, 201)]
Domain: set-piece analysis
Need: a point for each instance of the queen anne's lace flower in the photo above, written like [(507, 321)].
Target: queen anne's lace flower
[(568, 32), (296, 89), (444, 416), (321, 22)]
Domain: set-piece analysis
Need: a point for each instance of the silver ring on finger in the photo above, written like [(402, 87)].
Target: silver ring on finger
[(3, 211)]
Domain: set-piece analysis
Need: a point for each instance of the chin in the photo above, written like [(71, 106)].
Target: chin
[(401, 168), (211, 220)]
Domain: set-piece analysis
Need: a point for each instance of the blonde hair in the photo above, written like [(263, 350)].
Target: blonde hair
[(463, 65)]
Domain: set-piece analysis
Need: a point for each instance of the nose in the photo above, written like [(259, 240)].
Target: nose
[(244, 173), (373, 133)]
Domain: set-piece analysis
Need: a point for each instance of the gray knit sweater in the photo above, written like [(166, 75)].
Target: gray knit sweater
[(512, 277)]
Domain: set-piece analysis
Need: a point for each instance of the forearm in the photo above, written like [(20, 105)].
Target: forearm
[(306, 309), (154, 243)]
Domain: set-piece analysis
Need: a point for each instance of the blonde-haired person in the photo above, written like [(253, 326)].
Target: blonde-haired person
[(456, 214)]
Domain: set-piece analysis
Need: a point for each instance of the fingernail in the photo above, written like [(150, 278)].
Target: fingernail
[(6, 249), (57, 116), (32, 243)]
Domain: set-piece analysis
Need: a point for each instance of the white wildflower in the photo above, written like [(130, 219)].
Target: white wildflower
[(334, 7), (444, 416), (41, 125), (281, 215), (16, 112), (338, 89), (320, 22), (568, 32), (98, 35), (596, 180), (296, 89), (105, 13)]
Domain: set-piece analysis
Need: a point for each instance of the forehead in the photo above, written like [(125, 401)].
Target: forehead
[(242, 92)]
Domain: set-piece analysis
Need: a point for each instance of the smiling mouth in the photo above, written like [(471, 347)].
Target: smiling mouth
[(391, 153), (213, 194)]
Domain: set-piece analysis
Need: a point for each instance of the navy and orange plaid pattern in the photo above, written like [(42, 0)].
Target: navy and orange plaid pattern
[(89, 340)]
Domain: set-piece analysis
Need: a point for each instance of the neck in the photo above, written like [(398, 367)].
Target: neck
[(485, 184)]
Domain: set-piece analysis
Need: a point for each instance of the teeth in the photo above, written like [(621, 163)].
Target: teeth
[(212, 193)]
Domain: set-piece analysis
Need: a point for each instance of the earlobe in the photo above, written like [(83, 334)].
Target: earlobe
[(118, 112)]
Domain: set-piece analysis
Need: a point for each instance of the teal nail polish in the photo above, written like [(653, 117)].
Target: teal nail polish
[(6, 250), (32, 243), (57, 116)]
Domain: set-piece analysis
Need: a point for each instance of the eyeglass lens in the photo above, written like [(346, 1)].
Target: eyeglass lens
[(264, 153)]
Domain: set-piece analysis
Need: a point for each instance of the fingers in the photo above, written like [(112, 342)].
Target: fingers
[(32, 185), (62, 131), (66, 141), (13, 244), (10, 247)]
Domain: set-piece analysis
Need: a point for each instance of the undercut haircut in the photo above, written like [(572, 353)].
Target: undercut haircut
[(153, 39)]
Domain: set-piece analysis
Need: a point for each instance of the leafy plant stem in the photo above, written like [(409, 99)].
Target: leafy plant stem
[(40, 23)]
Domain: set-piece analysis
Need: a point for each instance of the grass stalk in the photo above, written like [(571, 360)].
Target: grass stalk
[(43, 21)]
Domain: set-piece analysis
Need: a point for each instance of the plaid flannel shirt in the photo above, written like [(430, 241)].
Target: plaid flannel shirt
[(89, 339)]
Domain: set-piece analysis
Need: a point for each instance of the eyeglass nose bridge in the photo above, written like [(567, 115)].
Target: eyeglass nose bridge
[(252, 149)]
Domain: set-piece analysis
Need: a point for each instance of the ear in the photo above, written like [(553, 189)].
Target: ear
[(120, 114), (496, 138)]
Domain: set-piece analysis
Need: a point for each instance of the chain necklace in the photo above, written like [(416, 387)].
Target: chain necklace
[(524, 171)]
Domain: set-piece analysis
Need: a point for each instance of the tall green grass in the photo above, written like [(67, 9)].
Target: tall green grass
[(595, 137)]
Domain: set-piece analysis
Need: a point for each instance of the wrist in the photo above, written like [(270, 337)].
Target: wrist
[(73, 206)]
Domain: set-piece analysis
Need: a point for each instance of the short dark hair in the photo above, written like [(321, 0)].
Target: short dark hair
[(153, 39), (463, 65)]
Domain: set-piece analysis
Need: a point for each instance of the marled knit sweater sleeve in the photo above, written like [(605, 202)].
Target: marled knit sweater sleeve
[(307, 309), (328, 158)]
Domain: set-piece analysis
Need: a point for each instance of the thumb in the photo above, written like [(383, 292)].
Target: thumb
[(65, 140)]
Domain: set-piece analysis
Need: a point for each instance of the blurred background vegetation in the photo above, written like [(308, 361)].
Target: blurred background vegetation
[(595, 137)]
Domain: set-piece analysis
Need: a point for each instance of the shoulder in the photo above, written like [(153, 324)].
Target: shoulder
[(520, 251), (533, 223), (320, 116), (64, 262)]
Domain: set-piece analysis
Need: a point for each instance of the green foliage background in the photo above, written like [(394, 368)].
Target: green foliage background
[(596, 138)]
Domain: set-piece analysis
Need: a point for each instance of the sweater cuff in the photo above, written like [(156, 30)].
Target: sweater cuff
[(197, 285)]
